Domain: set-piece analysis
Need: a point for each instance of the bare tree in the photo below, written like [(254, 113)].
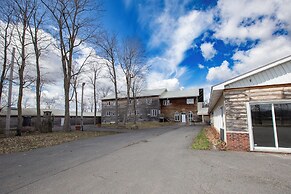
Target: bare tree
[(40, 43), (132, 62), (138, 83), (75, 26), (109, 46), (104, 90), (23, 10), (49, 102), (6, 32), (77, 70), (95, 69)]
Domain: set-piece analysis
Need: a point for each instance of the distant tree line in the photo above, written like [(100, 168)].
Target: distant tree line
[(25, 25)]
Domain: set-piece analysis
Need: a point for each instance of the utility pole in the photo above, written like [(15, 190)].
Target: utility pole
[(7, 130), (82, 107)]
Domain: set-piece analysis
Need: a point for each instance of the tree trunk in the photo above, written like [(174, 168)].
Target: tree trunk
[(134, 105), (95, 99), (67, 126), (116, 103), (19, 102), (4, 69), (125, 118), (76, 103), (38, 117)]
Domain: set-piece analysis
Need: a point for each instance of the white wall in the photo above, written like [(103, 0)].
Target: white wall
[(216, 119)]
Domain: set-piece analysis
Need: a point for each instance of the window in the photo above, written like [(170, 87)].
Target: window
[(110, 103), (149, 101), (166, 102), (107, 113), (154, 112), (190, 101), (177, 116), (271, 124)]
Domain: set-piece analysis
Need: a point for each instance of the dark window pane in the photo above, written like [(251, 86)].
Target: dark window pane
[(283, 124), (262, 125)]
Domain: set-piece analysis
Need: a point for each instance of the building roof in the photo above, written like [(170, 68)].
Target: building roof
[(55, 112), (277, 72), (180, 94), (143, 93)]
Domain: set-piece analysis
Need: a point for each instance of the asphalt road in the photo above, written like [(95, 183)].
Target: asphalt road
[(148, 161)]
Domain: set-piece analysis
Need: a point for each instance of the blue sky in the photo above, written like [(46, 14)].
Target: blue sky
[(189, 43), (198, 43)]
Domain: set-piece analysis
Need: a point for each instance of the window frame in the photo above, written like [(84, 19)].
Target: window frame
[(192, 101), (166, 102), (154, 112)]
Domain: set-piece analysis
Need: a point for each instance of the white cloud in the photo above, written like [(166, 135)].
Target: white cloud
[(244, 61), (174, 29), (243, 20), (249, 20), (208, 50), (262, 54), (220, 73), (200, 66), (158, 80)]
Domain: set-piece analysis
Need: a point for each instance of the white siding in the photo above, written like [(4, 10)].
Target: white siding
[(216, 119), (280, 74)]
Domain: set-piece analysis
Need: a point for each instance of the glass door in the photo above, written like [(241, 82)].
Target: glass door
[(271, 125), (262, 121), (283, 124)]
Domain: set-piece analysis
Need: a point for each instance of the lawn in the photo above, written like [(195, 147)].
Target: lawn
[(37, 140), (201, 141), (208, 138)]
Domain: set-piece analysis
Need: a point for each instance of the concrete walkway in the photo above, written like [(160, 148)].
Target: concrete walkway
[(149, 161)]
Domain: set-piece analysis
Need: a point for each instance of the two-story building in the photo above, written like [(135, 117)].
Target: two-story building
[(181, 106), (153, 105), (147, 106)]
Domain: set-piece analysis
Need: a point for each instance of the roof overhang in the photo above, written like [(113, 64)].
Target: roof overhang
[(214, 97), (217, 90)]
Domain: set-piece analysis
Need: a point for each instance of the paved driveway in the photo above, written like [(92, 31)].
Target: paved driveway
[(149, 161)]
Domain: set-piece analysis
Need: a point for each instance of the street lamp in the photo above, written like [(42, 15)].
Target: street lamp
[(82, 107)]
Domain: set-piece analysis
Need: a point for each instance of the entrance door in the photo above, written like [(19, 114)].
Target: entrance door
[(271, 126), (262, 121), (183, 115)]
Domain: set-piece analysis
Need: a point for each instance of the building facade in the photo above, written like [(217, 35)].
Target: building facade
[(253, 111), (155, 105)]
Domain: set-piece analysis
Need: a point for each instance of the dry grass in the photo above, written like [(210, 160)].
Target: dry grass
[(38, 140), (214, 137), (208, 138)]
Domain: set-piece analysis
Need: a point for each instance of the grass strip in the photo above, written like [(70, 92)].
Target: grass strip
[(201, 141)]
